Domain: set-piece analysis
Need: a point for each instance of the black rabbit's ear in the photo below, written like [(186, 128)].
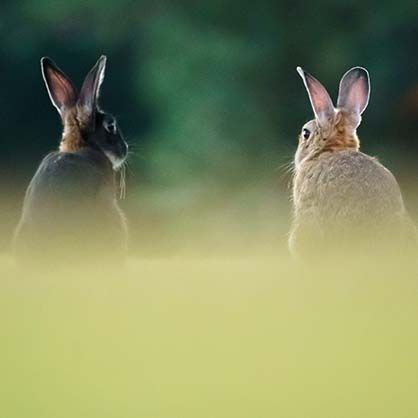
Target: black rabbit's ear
[(354, 91), (61, 91), (89, 94), (321, 102)]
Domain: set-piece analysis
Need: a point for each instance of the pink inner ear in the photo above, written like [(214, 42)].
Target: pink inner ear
[(357, 97), (320, 100), (62, 92), (354, 91)]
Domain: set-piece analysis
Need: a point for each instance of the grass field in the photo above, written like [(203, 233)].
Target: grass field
[(212, 337)]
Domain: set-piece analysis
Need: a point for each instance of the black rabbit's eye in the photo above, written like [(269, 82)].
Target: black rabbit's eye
[(306, 133), (110, 126)]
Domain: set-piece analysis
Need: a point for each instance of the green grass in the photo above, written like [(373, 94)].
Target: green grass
[(221, 337)]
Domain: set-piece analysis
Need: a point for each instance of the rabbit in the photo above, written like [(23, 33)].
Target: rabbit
[(342, 198), (70, 208)]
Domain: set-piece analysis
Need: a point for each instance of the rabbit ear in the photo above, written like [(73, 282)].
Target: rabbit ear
[(61, 91), (321, 102), (89, 94), (354, 91)]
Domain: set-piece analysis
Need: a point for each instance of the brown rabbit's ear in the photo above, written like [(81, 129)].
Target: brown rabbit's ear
[(321, 102), (354, 91), (61, 91), (89, 94)]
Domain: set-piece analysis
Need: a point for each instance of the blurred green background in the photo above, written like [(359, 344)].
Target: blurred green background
[(209, 99), (207, 93)]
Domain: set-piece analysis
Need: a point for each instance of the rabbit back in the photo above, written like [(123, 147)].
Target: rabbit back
[(70, 204), (347, 184), (346, 194)]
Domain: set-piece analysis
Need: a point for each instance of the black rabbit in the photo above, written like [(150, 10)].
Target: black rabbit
[(70, 208)]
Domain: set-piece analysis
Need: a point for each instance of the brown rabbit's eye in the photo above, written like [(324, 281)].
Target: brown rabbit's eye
[(306, 133)]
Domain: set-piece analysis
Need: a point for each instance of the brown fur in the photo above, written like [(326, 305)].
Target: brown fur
[(74, 124), (343, 199), (343, 135)]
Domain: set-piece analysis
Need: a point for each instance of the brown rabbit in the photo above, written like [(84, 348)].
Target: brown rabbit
[(340, 195), (70, 209)]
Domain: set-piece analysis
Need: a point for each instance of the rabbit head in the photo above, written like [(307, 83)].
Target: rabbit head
[(333, 128), (84, 123)]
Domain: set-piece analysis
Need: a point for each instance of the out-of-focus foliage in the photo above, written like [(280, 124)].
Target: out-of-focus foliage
[(202, 88), (207, 92)]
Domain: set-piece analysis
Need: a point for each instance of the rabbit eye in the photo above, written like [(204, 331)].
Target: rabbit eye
[(306, 133), (110, 126)]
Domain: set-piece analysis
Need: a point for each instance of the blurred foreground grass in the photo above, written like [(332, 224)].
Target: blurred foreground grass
[(250, 336), (210, 318)]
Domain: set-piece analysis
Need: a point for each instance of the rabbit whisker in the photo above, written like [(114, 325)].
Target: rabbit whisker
[(122, 181)]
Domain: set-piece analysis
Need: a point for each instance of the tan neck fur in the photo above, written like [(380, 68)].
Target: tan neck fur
[(72, 140), (344, 136)]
